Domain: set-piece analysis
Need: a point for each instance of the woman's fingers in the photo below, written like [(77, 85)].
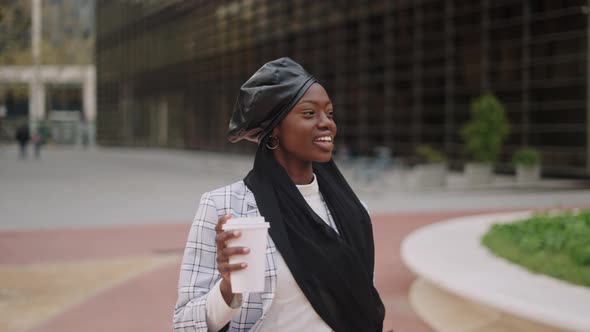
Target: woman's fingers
[(227, 235), (221, 221), (231, 251), (224, 268), (222, 237), (224, 252)]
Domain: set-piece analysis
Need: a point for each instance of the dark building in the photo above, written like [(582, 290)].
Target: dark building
[(400, 73)]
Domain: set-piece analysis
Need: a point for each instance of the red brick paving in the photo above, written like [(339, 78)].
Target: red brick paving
[(142, 304), (392, 277), (23, 247), (145, 303)]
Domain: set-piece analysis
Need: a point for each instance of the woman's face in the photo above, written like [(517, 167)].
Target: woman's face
[(307, 132)]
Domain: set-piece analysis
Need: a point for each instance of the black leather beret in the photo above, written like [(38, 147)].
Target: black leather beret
[(266, 98)]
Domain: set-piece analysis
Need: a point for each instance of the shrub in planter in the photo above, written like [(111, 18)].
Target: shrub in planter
[(526, 157), (427, 154), (430, 170), (484, 135), (555, 244), (528, 164)]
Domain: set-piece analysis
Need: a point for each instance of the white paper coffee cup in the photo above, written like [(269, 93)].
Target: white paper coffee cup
[(254, 231)]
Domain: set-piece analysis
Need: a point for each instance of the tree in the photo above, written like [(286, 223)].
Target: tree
[(15, 32), (485, 132), (67, 32)]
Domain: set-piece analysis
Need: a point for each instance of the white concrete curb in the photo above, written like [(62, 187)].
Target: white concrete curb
[(449, 255)]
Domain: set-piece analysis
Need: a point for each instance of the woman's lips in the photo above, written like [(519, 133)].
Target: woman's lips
[(324, 144)]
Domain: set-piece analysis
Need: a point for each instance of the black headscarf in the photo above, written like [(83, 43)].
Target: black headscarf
[(266, 98), (334, 270)]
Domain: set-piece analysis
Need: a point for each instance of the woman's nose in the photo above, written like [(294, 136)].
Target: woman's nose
[(326, 121)]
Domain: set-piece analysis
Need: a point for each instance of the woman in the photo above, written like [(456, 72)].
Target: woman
[(320, 255)]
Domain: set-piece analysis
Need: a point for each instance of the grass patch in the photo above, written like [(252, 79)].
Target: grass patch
[(556, 245)]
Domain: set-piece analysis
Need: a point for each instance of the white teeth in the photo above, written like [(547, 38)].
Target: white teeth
[(324, 139)]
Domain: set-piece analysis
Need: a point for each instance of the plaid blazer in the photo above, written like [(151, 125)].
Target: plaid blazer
[(198, 272)]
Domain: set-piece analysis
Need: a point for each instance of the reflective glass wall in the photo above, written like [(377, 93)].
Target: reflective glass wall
[(401, 73)]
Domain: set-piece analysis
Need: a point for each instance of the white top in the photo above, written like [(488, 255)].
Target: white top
[(290, 310)]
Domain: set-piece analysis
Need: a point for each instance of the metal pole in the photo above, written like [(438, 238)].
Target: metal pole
[(417, 48), (526, 60), (89, 100), (485, 45), (36, 30), (389, 73), (449, 107), (588, 88), (36, 91)]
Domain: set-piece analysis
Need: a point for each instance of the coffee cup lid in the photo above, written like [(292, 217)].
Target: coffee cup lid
[(245, 223)]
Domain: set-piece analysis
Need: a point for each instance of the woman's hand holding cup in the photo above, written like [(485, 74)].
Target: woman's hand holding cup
[(223, 254)]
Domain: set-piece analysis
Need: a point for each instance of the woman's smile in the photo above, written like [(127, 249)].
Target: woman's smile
[(325, 142)]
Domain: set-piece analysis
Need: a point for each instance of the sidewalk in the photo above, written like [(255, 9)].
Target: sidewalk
[(91, 240)]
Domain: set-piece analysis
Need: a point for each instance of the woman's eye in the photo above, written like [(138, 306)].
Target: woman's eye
[(308, 112)]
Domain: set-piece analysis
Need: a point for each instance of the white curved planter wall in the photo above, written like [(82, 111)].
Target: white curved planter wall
[(449, 255)]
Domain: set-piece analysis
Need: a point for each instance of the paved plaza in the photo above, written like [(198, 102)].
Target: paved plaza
[(91, 240)]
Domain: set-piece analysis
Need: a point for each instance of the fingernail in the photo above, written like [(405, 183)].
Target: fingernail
[(236, 233), (243, 265), (246, 250)]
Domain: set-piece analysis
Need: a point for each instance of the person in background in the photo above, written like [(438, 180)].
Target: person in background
[(37, 142), (320, 256), (23, 136), (3, 112)]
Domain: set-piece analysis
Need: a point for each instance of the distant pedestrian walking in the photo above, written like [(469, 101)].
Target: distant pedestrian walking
[(3, 112), (37, 142), (23, 136)]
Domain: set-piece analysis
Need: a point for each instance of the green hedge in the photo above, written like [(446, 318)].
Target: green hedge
[(557, 245)]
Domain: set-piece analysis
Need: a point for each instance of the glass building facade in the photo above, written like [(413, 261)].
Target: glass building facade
[(400, 73)]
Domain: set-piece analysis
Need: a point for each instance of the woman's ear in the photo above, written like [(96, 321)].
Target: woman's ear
[(275, 131)]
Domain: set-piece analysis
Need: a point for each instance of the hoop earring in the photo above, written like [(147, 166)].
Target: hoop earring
[(273, 147)]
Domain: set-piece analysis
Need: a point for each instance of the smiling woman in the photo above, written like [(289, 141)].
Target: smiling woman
[(320, 253)]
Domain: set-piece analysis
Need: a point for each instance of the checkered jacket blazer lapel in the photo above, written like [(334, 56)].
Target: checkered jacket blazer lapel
[(198, 273)]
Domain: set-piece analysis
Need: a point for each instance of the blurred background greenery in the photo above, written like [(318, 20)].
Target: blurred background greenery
[(67, 32)]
